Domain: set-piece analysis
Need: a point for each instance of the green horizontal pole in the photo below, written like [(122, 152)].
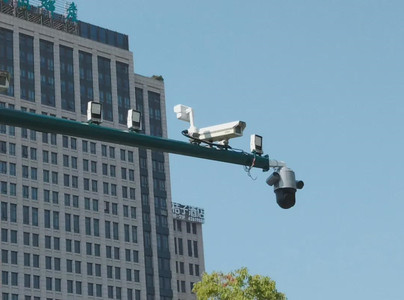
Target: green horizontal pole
[(123, 137)]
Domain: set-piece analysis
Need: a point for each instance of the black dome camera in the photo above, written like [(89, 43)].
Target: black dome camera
[(285, 185)]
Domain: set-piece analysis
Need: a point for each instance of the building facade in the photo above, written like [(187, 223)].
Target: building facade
[(79, 218), (188, 248)]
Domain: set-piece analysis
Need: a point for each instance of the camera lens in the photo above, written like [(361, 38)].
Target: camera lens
[(285, 197)]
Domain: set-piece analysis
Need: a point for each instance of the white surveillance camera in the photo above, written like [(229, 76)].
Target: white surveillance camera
[(94, 110), (256, 144), (134, 120), (186, 113), (218, 133), (223, 132), (4, 81)]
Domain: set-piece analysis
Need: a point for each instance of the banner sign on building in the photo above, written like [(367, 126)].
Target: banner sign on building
[(188, 213), (61, 7)]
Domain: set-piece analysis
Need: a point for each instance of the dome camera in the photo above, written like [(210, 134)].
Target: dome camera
[(285, 185)]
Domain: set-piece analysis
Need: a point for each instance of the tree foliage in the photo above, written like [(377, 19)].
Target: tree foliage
[(237, 285)]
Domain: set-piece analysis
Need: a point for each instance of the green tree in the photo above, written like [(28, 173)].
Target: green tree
[(237, 285)]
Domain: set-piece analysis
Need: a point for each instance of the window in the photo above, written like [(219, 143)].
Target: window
[(65, 141), (76, 224), (92, 148), (112, 171), (94, 166), (195, 248), (35, 262), (76, 246), (65, 160), (136, 276), (45, 156), (89, 249), (47, 218), (35, 240), (56, 243), (14, 279), (73, 143), (111, 152), (36, 281), (85, 165), (74, 162), (97, 250), (48, 242), (97, 268), (27, 280), (13, 257), (54, 158), (117, 273), (109, 271), (114, 209), (68, 245), (87, 203), (115, 231), (89, 269), (126, 233)]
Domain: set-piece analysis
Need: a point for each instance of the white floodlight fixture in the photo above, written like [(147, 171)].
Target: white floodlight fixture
[(4, 81), (134, 120), (256, 144), (94, 111), (186, 113)]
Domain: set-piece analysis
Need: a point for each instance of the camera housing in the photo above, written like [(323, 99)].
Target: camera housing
[(219, 133), (186, 113), (222, 132), (285, 185)]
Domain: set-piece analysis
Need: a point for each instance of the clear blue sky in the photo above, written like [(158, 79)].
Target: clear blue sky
[(322, 81)]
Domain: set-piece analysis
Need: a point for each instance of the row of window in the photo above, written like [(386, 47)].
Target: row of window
[(192, 268), (192, 245), (178, 226), (91, 249), (11, 214), (55, 284), (72, 224), (10, 188), (125, 155), (11, 170), (181, 286)]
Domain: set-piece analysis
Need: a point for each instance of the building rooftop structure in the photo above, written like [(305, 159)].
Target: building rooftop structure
[(38, 15)]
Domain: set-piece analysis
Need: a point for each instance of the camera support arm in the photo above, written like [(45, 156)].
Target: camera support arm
[(124, 137)]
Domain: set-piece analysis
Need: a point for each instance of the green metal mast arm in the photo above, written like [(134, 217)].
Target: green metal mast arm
[(122, 137)]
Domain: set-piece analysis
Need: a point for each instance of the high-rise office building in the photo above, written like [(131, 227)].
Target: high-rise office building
[(80, 218), (188, 248)]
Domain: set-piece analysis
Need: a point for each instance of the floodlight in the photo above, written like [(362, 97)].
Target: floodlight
[(4, 81), (134, 120), (94, 110), (256, 144)]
